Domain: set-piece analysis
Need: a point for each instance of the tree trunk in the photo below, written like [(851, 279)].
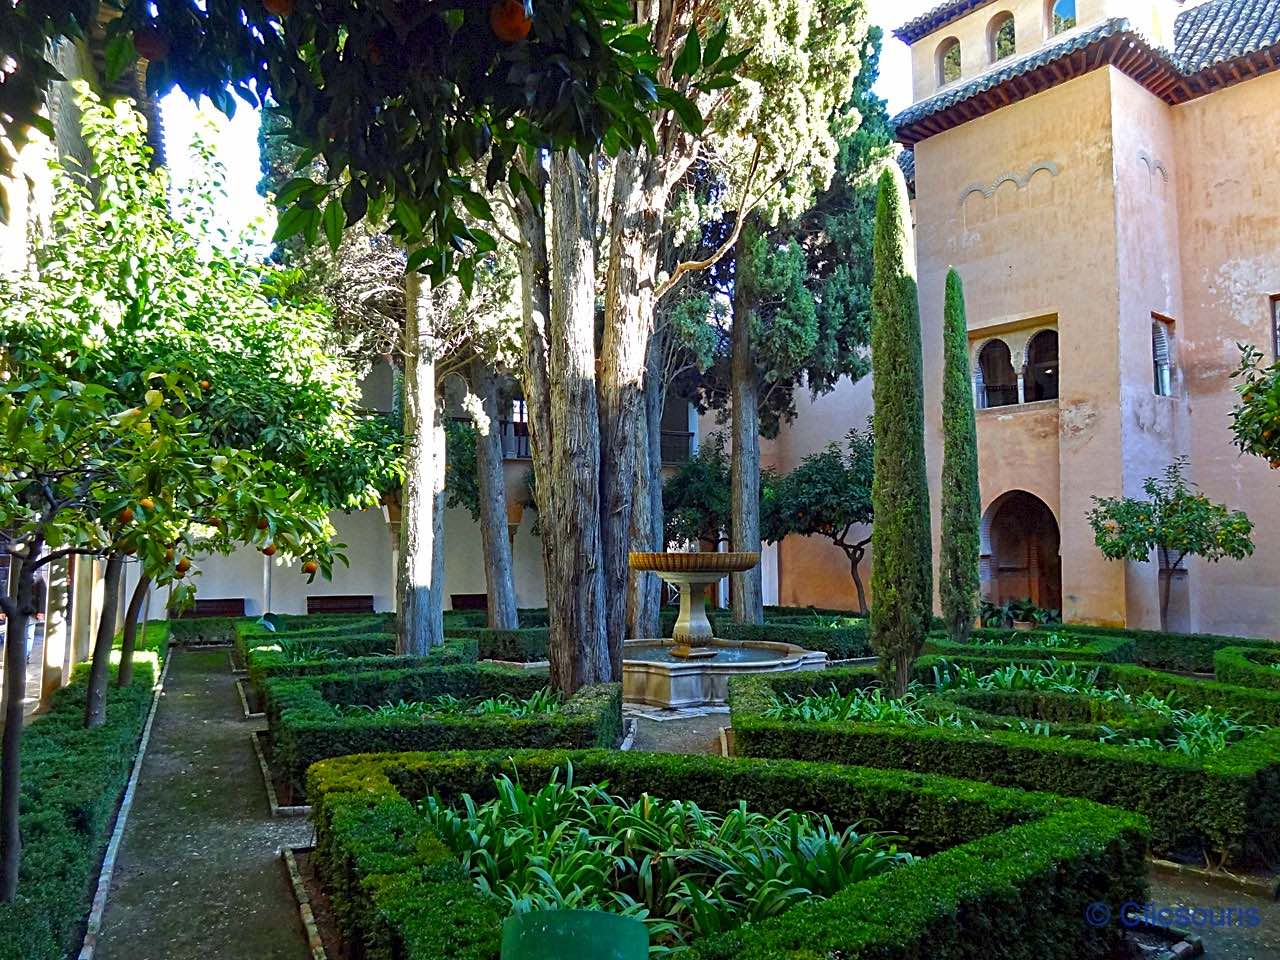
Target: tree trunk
[(635, 232), (1165, 576), (19, 610), (421, 592), (644, 605), (499, 579), (124, 676), (855, 558), (95, 705), (744, 464)]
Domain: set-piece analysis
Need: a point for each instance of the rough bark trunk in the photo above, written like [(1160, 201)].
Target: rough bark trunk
[(855, 558), (19, 610), (1166, 587), (499, 579), (95, 705), (644, 603), (421, 592), (579, 641), (129, 642), (636, 226), (744, 464)]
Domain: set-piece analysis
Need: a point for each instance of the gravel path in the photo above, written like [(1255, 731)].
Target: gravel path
[(198, 874)]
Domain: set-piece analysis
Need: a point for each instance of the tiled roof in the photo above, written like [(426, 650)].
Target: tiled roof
[(1061, 47), (1223, 30), (907, 161), (1243, 33), (939, 16)]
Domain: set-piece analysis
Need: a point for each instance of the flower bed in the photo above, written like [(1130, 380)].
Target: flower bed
[(1248, 667), (310, 718), (71, 785), (1003, 872), (1062, 643), (1205, 781)]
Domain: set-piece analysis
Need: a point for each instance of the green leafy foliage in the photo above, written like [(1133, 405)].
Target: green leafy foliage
[(901, 557), (314, 716), (540, 702), (685, 871), (400, 889), (70, 790), (958, 571), (829, 494), (1115, 733), (1255, 419), (697, 501)]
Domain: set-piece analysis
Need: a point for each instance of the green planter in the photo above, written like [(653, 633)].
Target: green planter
[(581, 934)]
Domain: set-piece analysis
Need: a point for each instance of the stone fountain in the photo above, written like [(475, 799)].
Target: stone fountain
[(692, 668)]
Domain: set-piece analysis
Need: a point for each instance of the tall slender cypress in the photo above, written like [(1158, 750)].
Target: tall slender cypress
[(961, 503), (901, 548)]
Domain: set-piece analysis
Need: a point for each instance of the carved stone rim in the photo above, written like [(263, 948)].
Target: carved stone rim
[(694, 562)]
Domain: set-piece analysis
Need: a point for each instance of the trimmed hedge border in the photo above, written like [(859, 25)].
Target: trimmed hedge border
[(1188, 652), (330, 628), (839, 643), (265, 663), (1107, 649), (526, 645), (1009, 874), (1247, 667), (1229, 802), (72, 780), (305, 726)]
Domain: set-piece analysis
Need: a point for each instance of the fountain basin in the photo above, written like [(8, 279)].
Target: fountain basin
[(654, 676)]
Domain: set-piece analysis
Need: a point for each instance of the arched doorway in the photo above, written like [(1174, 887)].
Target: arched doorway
[(1020, 551)]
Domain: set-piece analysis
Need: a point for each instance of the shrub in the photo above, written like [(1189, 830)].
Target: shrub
[(1007, 873), (211, 630), (1017, 644), (71, 785), (1189, 652), (839, 643), (526, 645), (1248, 667), (1227, 801), (267, 662), (250, 633), (307, 723)]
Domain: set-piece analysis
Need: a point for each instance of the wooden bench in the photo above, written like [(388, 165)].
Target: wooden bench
[(225, 607), (341, 603)]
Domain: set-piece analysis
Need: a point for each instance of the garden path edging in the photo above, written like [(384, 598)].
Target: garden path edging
[(277, 809)]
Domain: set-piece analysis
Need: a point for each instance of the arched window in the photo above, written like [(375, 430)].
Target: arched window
[(1041, 379), (1062, 16), (949, 62), (1162, 357), (1003, 40), (999, 384)]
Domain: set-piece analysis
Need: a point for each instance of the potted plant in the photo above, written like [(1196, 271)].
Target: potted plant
[(1023, 614)]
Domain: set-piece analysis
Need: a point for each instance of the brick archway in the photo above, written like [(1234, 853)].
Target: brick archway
[(1021, 551)]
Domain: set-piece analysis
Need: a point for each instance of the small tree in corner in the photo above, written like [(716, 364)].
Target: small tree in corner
[(1176, 521), (961, 504), (828, 495), (901, 545)]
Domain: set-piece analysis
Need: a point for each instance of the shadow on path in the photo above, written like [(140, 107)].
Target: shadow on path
[(198, 874)]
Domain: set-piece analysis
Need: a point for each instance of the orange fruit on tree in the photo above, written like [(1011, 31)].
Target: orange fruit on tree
[(205, 384), (126, 515), (168, 555), (281, 8), (263, 523), (179, 574), (310, 567), (509, 22), (146, 503), (150, 44), (269, 550), (184, 565)]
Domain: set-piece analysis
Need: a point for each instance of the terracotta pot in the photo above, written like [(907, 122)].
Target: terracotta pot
[(1024, 624)]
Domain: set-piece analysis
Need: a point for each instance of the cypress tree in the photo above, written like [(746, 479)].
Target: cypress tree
[(961, 504), (901, 549)]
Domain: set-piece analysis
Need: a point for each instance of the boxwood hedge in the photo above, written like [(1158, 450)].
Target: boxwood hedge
[(839, 643), (1007, 877), (526, 645), (1189, 652), (72, 780), (1227, 802), (329, 628), (266, 662), (1019, 645), (1248, 667), (305, 725)]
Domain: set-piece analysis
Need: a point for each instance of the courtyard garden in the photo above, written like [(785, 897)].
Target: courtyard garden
[(589, 212)]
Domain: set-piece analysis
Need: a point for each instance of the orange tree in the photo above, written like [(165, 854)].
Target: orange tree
[(1175, 521), (1255, 420)]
